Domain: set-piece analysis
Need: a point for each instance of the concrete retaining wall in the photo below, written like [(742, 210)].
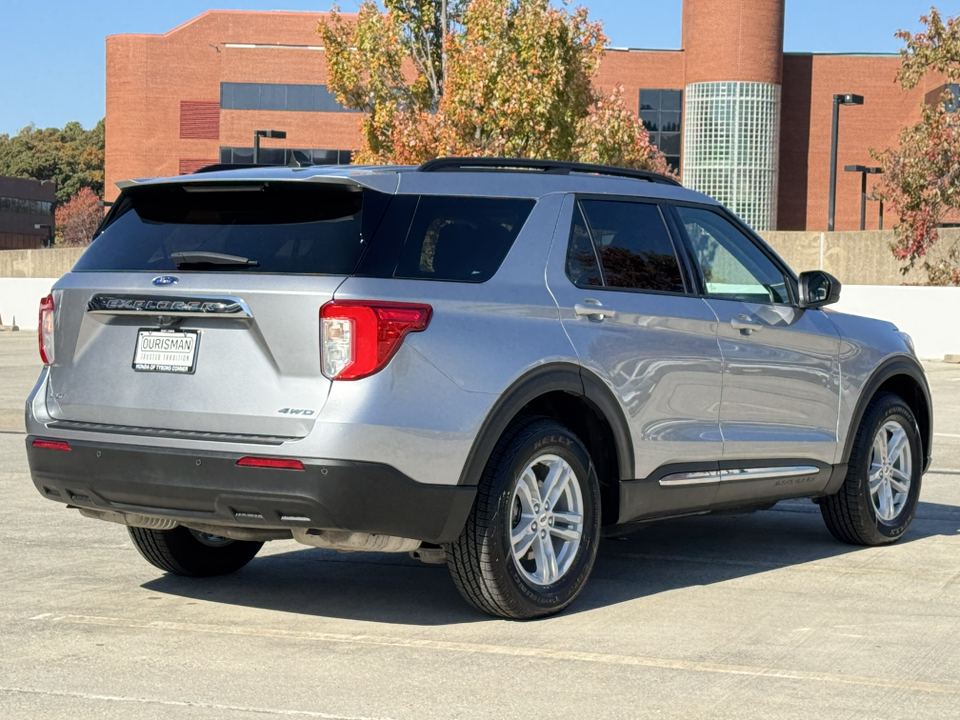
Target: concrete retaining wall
[(46, 263), (854, 258)]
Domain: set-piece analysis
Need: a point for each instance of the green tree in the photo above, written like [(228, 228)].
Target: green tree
[(921, 179), (511, 78), (71, 157)]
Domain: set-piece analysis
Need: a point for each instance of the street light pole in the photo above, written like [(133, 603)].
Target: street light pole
[(838, 100), (864, 171), (257, 134), (48, 242)]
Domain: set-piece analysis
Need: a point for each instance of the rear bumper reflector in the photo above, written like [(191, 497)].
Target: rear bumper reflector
[(273, 463), (52, 445)]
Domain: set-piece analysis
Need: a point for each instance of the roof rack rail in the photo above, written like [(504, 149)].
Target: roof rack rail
[(558, 167)]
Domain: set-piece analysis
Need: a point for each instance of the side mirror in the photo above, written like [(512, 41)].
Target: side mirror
[(818, 288)]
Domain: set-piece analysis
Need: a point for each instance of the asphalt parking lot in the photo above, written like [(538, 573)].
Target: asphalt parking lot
[(739, 616)]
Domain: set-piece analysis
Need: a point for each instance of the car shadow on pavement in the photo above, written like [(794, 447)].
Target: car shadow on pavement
[(662, 556)]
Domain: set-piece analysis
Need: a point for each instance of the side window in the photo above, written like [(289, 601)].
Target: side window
[(632, 243), (582, 266), (463, 239), (734, 268)]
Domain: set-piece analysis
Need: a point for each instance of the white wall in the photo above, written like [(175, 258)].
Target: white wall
[(20, 298), (929, 314)]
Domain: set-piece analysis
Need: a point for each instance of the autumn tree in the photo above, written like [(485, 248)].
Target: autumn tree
[(503, 78), (77, 219), (921, 179), (70, 156)]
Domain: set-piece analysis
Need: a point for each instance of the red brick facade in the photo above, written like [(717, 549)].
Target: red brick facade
[(163, 91)]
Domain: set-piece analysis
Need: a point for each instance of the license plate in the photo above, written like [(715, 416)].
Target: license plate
[(166, 351)]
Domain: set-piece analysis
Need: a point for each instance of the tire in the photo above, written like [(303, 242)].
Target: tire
[(878, 498), (182, 551), (525, 583)]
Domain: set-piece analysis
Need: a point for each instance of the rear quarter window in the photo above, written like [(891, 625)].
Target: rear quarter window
[(461, 239)]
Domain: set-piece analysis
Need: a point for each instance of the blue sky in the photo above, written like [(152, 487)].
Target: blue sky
[(52, 51)]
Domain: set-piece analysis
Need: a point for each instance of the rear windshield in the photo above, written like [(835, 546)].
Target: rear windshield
[(264, 227)]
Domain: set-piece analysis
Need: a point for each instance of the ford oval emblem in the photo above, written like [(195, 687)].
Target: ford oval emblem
[(165, 280)]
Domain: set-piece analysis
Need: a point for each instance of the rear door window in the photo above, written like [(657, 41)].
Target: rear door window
[(622, 244), (463, 239), (272, 227)]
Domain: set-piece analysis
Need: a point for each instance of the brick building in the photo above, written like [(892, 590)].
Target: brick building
[(25, 204), (742, 120)]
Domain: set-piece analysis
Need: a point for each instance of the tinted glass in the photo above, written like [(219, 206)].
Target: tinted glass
[(282, 226), (461, 238), (670, 143), (582, 266), (246, 96), (634, 246), (300, 98), (733, 266), (671, 99), (662, 114), (273, 97)]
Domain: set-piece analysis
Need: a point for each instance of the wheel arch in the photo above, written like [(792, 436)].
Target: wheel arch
[(904, 377), (581, 401)]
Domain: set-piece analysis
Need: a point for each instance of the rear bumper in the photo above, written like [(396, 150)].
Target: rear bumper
[(208, 487)]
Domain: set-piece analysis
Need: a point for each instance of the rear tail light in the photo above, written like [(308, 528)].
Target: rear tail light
[(268, 462), (45, 330), (358, 338), (52, 445)]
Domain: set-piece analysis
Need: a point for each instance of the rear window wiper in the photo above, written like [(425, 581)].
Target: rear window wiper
[(200, 259)]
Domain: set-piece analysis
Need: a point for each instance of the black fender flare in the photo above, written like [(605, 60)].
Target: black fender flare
[(565, 377), (889, 368)]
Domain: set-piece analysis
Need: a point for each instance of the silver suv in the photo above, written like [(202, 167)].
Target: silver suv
[(489, 363)]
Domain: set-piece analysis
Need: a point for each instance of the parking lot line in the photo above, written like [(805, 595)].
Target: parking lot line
[(533, 653), (185, 704)]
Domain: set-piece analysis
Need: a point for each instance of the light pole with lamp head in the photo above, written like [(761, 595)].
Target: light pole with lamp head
[(864, 171), (48, 242), (838, 100), (257, 134)]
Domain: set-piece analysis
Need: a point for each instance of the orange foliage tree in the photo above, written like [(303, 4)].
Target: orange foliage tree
[(921, 179), (77, 219), (498, 78)]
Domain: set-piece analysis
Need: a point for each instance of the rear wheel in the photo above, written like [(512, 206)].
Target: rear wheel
[(879, 496), (531, 538), (182, 551)]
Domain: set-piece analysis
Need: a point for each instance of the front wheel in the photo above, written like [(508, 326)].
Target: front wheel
[(183, 551), (531, 538), (879, 496)]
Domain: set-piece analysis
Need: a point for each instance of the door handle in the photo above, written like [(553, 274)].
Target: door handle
[(745, 328), (594, 310)]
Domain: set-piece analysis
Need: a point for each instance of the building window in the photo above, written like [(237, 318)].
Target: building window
[(25, 207), (732, 145), (662, 114), (284, 156), (273, 96)]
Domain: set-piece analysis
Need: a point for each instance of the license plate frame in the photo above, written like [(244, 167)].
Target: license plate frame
[(178, 362)]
